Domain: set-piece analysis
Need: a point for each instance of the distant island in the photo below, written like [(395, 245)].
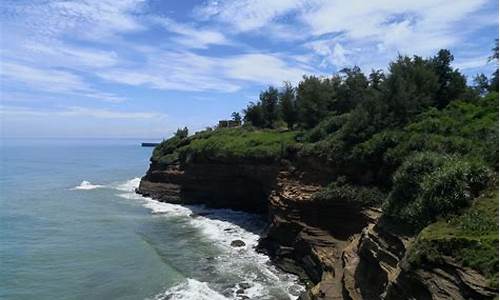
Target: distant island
[(378, 186)]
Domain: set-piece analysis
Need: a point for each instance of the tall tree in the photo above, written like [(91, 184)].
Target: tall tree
[(253, 115), (375, 79), (236, 116), (410, 86), (269, 104), (182, 133), (481, 84), (352, 91), (494, 76), (314, 99), (451, 82), (287, 103)]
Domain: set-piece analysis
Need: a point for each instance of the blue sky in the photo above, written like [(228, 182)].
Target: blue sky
[(142, 68)]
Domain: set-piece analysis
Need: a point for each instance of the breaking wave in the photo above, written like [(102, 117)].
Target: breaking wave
[(248, 273), (86, 185)]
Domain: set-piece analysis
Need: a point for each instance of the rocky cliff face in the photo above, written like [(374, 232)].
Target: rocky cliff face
[(343, 250), (242, 186)]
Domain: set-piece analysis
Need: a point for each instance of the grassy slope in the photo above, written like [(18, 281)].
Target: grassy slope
[(471, 238), (227, 145)]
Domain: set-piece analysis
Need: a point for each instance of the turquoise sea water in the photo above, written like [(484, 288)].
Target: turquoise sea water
[(71, 227)]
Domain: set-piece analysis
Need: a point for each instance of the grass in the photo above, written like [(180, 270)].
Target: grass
[(229, 145), (471, 238)]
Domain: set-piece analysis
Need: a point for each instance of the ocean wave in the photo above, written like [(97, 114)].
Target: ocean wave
[(190, 289), (129, 185), (86, 185), (222, 227)]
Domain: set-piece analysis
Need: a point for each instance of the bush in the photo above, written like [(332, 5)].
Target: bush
[(470, 238), (342, 191), (230, 144), (430, 185), (325, 127), (165, 152)]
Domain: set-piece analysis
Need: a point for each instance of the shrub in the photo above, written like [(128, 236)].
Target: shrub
[(430, 185), (470, 238), (342, 191), (231, 144)]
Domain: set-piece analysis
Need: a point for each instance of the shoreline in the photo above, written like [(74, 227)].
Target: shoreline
[(225, 227), (344, 250)]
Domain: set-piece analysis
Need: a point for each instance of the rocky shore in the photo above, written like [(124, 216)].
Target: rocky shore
[(342, 250)]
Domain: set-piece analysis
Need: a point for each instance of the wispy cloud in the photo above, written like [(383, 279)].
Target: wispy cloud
[(51, 80), (187, 71), (192, 36), (386, 26), (76, 111), (472, 63), (134, 54), (244, 15), (92, 19)]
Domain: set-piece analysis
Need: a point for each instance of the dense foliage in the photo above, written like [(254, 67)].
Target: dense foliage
[(225, 145), (470, 238), (341, 190)]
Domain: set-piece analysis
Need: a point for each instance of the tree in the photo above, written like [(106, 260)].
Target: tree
[(182, 133), (269, 104), (494, 76), (451, 83), (314, 100), (410, 87), (288, 106), (375, 79), (352, 91), (481, 84), (236, 116), (253, 115), (494, 55)]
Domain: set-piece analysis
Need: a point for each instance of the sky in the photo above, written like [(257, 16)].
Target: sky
[(143, 68)]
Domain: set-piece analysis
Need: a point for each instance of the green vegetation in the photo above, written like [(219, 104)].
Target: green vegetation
[(429, 185), (341, 190), (226, 145), (471, 238), (416, 141)]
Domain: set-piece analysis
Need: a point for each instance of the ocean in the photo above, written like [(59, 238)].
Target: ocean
[(71, 227)]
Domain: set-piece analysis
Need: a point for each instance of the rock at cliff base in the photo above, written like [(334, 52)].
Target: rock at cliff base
[(238, 243)]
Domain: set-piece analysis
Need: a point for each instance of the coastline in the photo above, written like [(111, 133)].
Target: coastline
[(344, 250)]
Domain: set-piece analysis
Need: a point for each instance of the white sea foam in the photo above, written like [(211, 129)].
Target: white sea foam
[(129, 185), (189, 290), (86, 185), (221, 227)]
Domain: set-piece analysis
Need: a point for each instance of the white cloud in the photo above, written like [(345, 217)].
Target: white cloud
[(44, 79), (76, 111), (52, 81), (192, 36), (245, 15), (187, 71), (92, 19), (331, 52), (262, 68), (472, 62), (63, 55), (391, 26)]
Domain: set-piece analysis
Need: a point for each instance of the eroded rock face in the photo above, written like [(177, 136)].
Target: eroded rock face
[(241, 186), (376, 267), (342, 250)]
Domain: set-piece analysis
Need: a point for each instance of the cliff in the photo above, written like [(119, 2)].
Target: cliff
[(343, 249)]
